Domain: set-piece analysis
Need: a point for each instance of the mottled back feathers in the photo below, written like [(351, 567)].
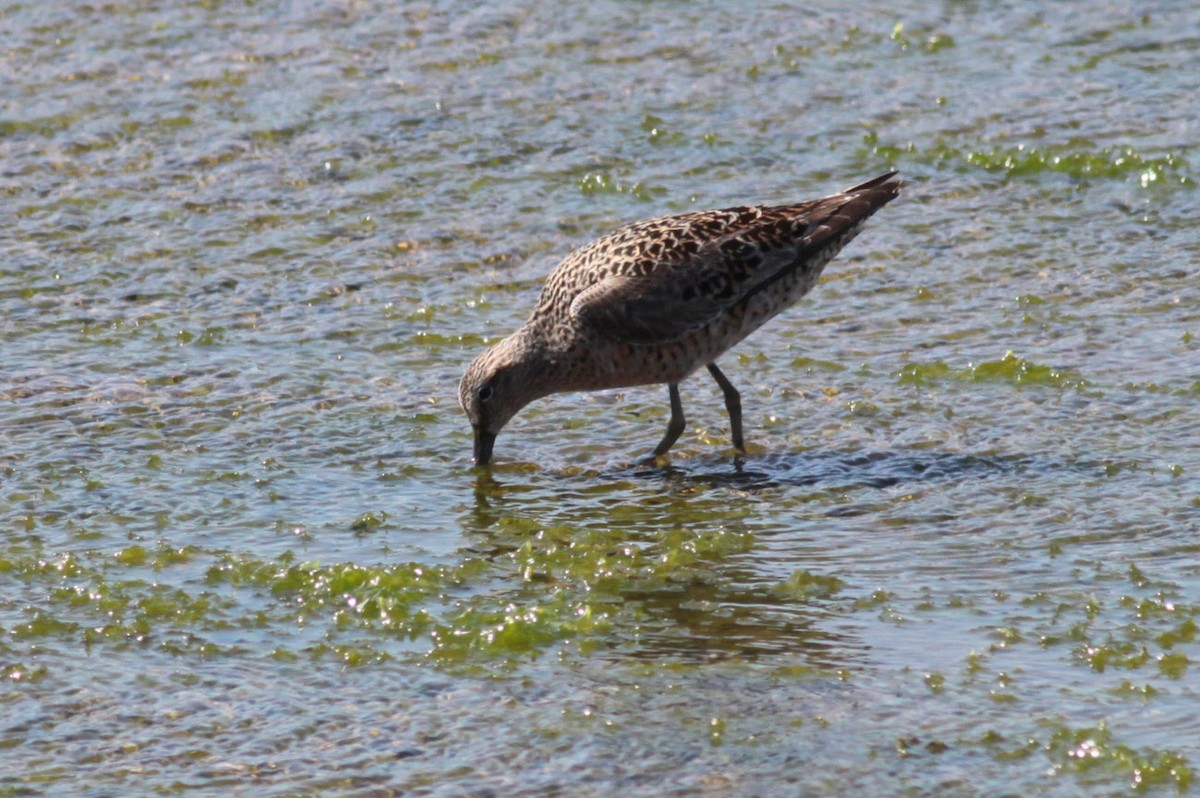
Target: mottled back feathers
[(660, 280)]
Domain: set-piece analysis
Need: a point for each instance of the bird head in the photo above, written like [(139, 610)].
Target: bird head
[(495, 387)]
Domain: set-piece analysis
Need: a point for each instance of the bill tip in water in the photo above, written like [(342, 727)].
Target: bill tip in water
[(484, 441)]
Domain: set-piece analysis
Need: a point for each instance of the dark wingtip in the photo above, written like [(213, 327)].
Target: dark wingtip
[(887, 180)]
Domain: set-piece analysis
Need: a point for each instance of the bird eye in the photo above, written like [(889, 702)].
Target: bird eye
[(485, 393)]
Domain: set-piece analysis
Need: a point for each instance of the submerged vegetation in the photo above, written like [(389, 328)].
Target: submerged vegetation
[(1009, 369), (1078, 158), (547, 587)]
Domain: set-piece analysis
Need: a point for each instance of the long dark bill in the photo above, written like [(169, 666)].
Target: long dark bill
[(484, 441)]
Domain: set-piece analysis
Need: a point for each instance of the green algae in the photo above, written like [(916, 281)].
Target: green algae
[(42, 625), (15, 672), (1173, 664), (1106, 162), (902, 38), (1010, 369), (565, 586), (1149, 633), (1093, 757), (483, 632), (813, 365), (921, 40), (1091, 751), (1077, 158), (388, 598), (600, 183), (605, 561), (657, 133), (803, 586)]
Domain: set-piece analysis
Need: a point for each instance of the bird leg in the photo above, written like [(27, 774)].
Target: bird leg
[(675, 425), (733, 403)]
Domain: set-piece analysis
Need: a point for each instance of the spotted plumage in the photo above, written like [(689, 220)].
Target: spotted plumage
[(653, 301)]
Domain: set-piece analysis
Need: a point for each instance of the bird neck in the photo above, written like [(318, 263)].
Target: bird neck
[(546, 366), (524, 355)]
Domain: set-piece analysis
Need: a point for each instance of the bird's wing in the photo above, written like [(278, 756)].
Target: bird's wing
[(664, 279)]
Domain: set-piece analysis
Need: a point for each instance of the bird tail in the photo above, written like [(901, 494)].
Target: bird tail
[(884, 180)]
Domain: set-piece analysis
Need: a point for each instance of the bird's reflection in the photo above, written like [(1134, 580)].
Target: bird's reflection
[(716, 606)]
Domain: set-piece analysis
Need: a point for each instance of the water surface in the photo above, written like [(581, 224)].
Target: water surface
[(248, 250)]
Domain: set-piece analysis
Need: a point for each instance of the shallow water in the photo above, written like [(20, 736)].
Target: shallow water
[(247, 251)]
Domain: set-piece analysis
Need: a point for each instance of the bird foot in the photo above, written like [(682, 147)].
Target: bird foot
[(658, 460)]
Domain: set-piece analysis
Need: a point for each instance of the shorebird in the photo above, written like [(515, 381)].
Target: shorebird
[(653, 301)]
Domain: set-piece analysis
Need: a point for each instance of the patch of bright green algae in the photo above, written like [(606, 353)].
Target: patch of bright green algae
[(1008, 369), (527, 590), (1077, 158), (86, 598), (412, 601), (575, 584), (385, 597)]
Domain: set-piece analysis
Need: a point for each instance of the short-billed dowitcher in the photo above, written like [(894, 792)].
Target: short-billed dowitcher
[(653, 301)]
